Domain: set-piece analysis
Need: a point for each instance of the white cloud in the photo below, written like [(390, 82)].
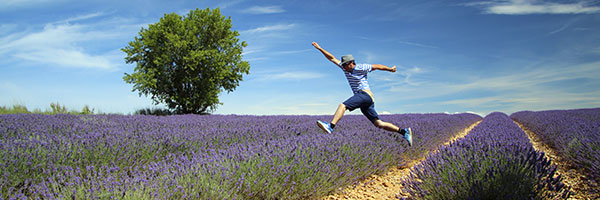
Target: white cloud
[(453, 113), (402, 76), (252, 50), (292, 52), (62, 44), (4, 4), (524, 7), (415, 44), (529, 100), (524, 90), (524, 80), (67, 58), (227, 4), (7, 28), (564, 27), (265, 39), (269, 28), (264, 10), (418, 44)]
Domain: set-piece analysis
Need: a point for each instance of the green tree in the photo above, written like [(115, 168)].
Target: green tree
[(186, 62)]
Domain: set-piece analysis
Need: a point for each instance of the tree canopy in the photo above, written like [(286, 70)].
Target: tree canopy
[(186, 62)]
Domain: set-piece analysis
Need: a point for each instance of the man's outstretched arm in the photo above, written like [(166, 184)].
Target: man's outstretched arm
[(384, 68), (327, 55)]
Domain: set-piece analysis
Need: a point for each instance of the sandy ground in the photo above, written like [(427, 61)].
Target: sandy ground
[(581, 187), (388, 185)]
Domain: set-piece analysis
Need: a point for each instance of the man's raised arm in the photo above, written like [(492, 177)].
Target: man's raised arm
[(384, 68), (327, 55)]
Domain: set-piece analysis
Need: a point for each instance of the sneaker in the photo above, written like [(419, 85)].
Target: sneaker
[(408, 136), (325, 126)]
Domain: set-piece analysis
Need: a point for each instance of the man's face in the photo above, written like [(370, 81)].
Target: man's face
[(349, 67)]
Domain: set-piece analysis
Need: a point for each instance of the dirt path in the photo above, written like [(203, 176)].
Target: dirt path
[(389, 185), (581, 188)]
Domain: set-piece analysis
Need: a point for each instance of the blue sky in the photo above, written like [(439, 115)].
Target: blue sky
[(452, 56)]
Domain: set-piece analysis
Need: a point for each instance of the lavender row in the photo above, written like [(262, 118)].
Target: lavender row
[(494, 161), (573, 134), (201, 157)]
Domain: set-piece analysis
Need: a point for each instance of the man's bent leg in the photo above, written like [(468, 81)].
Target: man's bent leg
[(407, 132), (386, 125)]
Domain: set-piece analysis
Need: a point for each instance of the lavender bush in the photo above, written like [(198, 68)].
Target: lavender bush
[(494, 161), (573, 134), (201, 157)]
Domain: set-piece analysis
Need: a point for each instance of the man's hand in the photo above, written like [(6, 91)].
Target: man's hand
[(393, 69), (327, 55), (316, 45)]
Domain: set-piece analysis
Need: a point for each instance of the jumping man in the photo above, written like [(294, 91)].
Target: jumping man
[(363, 97)]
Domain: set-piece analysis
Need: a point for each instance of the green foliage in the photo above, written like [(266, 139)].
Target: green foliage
[(56, 108), (154, 111), (14, 110), (185, 62), (86, 110)]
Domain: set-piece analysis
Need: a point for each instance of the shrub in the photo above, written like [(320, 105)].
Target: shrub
[(154, 111)]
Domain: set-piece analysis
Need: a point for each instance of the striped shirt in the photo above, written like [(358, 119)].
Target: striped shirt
[(358, 77)]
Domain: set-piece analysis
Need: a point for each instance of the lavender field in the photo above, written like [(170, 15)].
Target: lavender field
[(573, 134), (495, 160), (287, 157), (203, 157)]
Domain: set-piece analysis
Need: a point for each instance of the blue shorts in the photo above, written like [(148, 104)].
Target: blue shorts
[(363, 101)]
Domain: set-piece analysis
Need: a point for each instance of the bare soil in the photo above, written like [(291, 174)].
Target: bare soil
[(388, 185)]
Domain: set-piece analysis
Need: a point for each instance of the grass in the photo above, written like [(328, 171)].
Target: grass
[(55, 108)]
